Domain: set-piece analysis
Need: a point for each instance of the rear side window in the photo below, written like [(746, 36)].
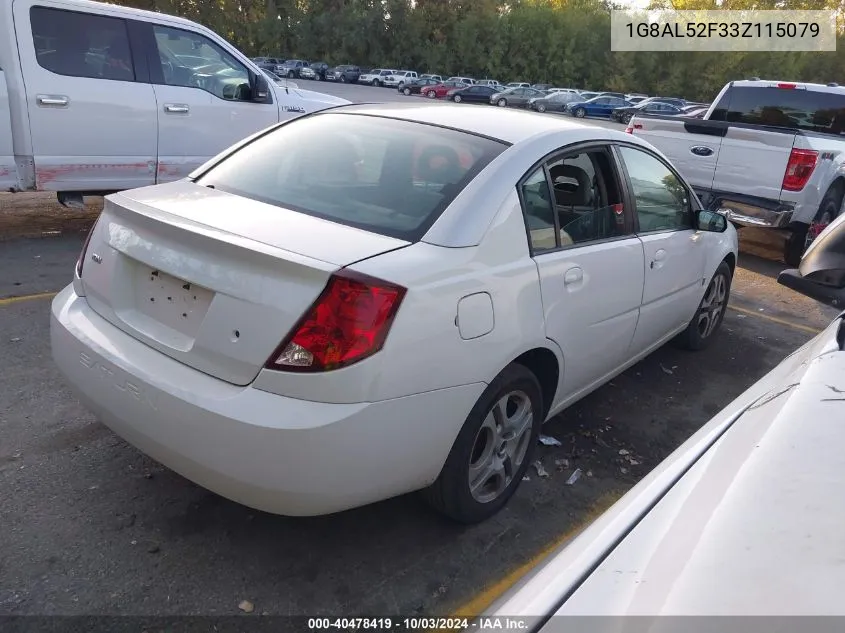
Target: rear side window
[(382, 175), (81, 44), (808, 110)]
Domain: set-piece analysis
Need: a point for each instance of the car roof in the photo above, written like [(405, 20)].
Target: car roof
[(510, 126)]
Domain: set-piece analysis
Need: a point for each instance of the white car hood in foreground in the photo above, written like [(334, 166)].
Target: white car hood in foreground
[(308, 100), (745, 518)]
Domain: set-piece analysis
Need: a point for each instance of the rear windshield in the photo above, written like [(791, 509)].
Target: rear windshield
[(808, 110), (383, 175)]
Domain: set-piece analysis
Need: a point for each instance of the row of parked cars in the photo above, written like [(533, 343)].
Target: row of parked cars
[(543, 98)]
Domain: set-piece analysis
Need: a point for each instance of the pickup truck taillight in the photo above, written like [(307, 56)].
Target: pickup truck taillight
[(800, 167), (633, 126)]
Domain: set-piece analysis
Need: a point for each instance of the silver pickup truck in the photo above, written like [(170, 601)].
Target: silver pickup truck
[(767, 153)]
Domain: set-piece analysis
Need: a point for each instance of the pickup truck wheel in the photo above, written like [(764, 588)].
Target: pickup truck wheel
[(828, 210), (493, 449), (796, 243), (407, 92), (711, 311), (376, 83)]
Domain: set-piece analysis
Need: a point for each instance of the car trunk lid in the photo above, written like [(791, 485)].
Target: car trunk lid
[(210, 279)]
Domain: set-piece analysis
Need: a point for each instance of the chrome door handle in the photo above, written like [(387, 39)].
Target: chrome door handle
[(573, 276), (176, 108), (52, 100)]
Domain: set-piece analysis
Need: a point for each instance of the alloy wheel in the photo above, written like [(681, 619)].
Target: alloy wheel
[(712, 306), (500, 446)]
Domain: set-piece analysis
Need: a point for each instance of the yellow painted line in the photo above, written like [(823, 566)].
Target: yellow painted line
[(21, 299), (482, 601), (766, 317)]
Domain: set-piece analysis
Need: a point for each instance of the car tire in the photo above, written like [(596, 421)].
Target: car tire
[(710, 313), (502, 103), (406, 92), (343, 79), (481, 445), (793, 247), (457, 98), (376, 83), (626, 118), (291, 74), (317, 77), (580, 113), (431, 94), (828, 211), (541, 108)]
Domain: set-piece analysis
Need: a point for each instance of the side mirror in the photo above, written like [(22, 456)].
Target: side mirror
[(260, 89), (711, 221), (821, 274)]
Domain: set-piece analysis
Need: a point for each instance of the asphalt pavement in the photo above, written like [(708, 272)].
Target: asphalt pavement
[(88, 525)]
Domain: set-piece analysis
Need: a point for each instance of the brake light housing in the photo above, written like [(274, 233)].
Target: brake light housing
[(80, 262), (799, 168), (347, 323)]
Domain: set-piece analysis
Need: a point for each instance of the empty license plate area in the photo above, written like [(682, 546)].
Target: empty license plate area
[(173, 302)]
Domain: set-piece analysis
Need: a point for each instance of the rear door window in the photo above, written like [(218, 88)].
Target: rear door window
[(383, 175), (800, 109), (79, 44)]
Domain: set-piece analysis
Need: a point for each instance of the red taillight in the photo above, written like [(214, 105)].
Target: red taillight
[(787, 86), (348, 322), (81, 261), (633, 126), (800, 167)]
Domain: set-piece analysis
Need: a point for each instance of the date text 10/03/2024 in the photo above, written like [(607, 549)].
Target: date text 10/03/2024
[(723, 29), (418, 624)]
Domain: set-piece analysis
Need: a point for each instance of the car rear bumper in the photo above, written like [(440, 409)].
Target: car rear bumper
[(269, 452)]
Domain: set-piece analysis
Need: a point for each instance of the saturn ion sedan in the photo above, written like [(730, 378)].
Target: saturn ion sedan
[(379, 299)]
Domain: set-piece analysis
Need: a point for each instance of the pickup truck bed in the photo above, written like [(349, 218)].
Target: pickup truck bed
[(767, 154)]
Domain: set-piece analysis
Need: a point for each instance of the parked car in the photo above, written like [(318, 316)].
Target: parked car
[(437, 78), (267, 63), (400, 78), (144, 135), (346, 73), (416, 87), (471, 94), (518, 84), (291, 68), (553, 102), (515, 97), (462, 80), (213, 341), (587, 94), (771, 156), (375, 77), (438, 91), (314, 70), (708, 534), (543, 87), (625, 113), (595, 107), (489, 82)]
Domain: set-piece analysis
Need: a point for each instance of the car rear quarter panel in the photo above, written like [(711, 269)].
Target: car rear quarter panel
[(424, 350)]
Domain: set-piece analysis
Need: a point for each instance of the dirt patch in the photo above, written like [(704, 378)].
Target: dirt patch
[(40, 215)]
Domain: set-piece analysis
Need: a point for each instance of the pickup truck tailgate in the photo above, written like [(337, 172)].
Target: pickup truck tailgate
[(691, 146), (752, 161)]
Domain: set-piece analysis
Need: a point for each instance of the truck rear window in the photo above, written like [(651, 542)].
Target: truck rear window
[(810, 110), (383, 175)]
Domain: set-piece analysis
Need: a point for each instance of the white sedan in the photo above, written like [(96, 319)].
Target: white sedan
[(378, 299)]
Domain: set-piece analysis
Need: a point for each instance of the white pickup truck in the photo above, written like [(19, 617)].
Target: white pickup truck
[(767, 153), (97, 98)]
